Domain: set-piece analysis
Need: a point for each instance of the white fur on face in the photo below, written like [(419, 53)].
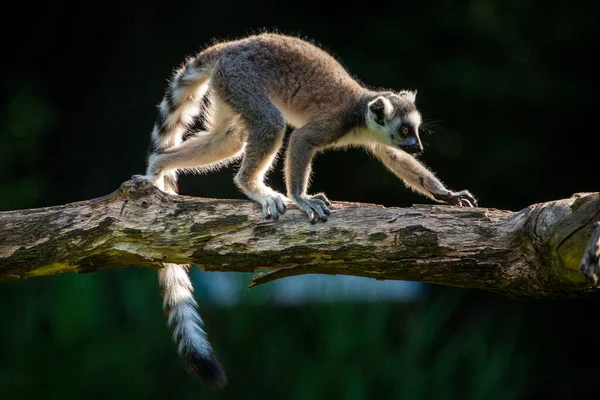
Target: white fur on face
[(414, 119)]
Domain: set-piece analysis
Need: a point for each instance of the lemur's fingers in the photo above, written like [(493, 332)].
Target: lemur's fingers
[(466, 197), (280, 205), (308, 210), (462, 198), (320, 207), (316, 201), (267, 209), (465, 203), (322, 197), (272, 202), (315, 209), (272, 208)]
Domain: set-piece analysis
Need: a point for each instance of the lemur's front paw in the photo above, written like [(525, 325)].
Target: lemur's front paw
[(316, 207), (461, 199), (273, 204)]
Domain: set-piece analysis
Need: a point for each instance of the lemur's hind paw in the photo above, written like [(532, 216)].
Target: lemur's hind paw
[(273, 204), (142, 178), (461, 199), (316, 207)]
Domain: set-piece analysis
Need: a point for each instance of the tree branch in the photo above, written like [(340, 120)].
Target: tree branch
[(535, 252)]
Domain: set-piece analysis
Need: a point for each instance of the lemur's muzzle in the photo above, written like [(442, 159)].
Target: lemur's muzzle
[(413, 146), (413, 149)]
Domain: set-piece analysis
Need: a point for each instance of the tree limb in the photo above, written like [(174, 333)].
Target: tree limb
[(533, 253)]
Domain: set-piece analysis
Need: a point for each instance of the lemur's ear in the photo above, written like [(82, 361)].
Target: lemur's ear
[(380, 109), (409, 95)]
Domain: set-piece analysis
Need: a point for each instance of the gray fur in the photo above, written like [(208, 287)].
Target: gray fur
[(258, 84)]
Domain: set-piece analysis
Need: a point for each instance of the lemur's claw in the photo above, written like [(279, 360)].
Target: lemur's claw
[(461, 199), (465, 203), (316, 207), (465, 199), (272, 206)]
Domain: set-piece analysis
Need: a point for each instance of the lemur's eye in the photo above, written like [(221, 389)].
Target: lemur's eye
[(405, 131)]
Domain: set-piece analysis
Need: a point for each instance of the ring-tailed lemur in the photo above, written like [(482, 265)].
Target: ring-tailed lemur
[(255, 86)]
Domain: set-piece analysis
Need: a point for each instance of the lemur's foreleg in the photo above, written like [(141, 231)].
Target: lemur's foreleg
[(242, 90), (304, 142), (418, 177)]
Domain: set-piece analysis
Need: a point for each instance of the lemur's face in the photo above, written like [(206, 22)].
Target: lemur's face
[(396, 121), (407, 134)]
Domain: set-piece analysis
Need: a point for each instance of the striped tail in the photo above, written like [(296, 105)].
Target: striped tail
[(180, 105), (186, 323)]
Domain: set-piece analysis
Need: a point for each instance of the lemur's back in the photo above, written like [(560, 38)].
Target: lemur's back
[(296, 73)]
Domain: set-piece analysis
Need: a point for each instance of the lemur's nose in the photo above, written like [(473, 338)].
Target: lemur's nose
[(413, 145), (414, 148)]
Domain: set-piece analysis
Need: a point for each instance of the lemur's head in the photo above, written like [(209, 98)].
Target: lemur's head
[(396, 120)]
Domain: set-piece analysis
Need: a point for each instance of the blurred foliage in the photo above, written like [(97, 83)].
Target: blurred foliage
[(507, 88), (24, 120), (84, 342)]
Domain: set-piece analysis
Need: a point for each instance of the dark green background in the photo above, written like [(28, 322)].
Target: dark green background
[(507, 87)]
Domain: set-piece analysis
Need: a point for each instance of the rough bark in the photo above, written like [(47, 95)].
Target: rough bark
[(534, 253)]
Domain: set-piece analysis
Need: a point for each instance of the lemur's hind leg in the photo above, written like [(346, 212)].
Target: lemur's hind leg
[(206, 150), (242, 90)]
